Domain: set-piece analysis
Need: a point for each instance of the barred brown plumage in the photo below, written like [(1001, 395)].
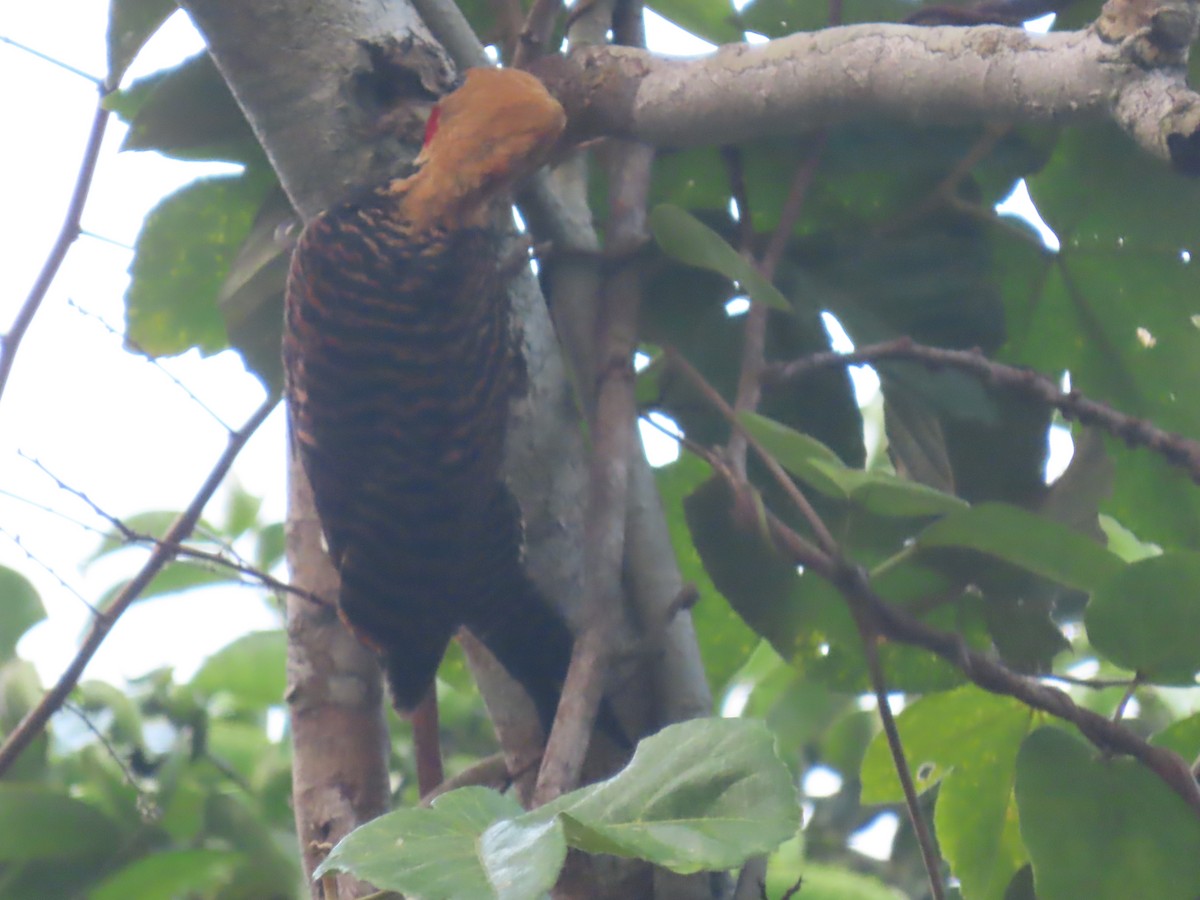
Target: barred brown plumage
[(400, 369)]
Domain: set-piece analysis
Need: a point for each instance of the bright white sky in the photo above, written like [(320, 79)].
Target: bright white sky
[(103, 420), (107, 422)]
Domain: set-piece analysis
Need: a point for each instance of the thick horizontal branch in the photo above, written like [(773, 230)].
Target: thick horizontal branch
[(943, 75)]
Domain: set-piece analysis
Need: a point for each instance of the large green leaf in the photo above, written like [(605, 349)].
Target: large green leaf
[(1115, 307), (968, 740), (440, 853), (183, 255), (1146, 617), (700, 795), (20, 609), (1031, 542), (1102, 828)]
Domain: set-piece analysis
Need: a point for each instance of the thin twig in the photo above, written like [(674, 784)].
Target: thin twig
[(824, 538), (10, 342), (132, 537), (1098, 684), (133, 345), (16, 539), (79, 523), (35, 720), (1119, 712), (945, 192), (146, 799), (754, 333), (1174, 448), (45, 57), (929, 852)]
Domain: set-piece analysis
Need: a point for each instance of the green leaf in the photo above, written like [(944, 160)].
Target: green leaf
[(967, 739), (725, 640), (169, 874), (817, 465), (241, 511), (1114, 307), (251, 298), (1145, 618), (183, 255), (1105, 829), (704, 794), (41, 823), (699, 795), (1183, 737), (440, 853), (684, 237), (187, 112), (252, 669), (20, 609), (130, 24), (1026, 540)]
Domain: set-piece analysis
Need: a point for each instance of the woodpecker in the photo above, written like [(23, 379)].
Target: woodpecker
[(401, 367)]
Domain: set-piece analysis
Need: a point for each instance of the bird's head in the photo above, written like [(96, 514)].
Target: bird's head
[(493, 131)]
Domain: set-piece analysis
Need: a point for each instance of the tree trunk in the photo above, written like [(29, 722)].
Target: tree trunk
[(315, 81)]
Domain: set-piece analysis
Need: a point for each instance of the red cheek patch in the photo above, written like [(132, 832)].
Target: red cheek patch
[(431, 126)]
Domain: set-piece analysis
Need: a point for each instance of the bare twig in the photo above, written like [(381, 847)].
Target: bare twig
[(945, 192), (929, 852), (133, 537), (67, 67), (754, 335), (10, 342), (1174, 448), (33, 558), (152, 360), (828, 544), (35, 720), (1093, 683), (1130, 689)]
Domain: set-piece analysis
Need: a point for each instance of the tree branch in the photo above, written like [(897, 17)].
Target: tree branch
[(35, 720), (942, 75), (1174, 448), (10, 342)]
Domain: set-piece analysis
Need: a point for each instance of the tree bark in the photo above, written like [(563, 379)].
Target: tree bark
[(942, 75)]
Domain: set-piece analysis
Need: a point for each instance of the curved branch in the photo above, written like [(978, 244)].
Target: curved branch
[(942, 75)]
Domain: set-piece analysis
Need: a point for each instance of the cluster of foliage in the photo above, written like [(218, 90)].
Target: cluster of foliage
[(1096, 572)]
